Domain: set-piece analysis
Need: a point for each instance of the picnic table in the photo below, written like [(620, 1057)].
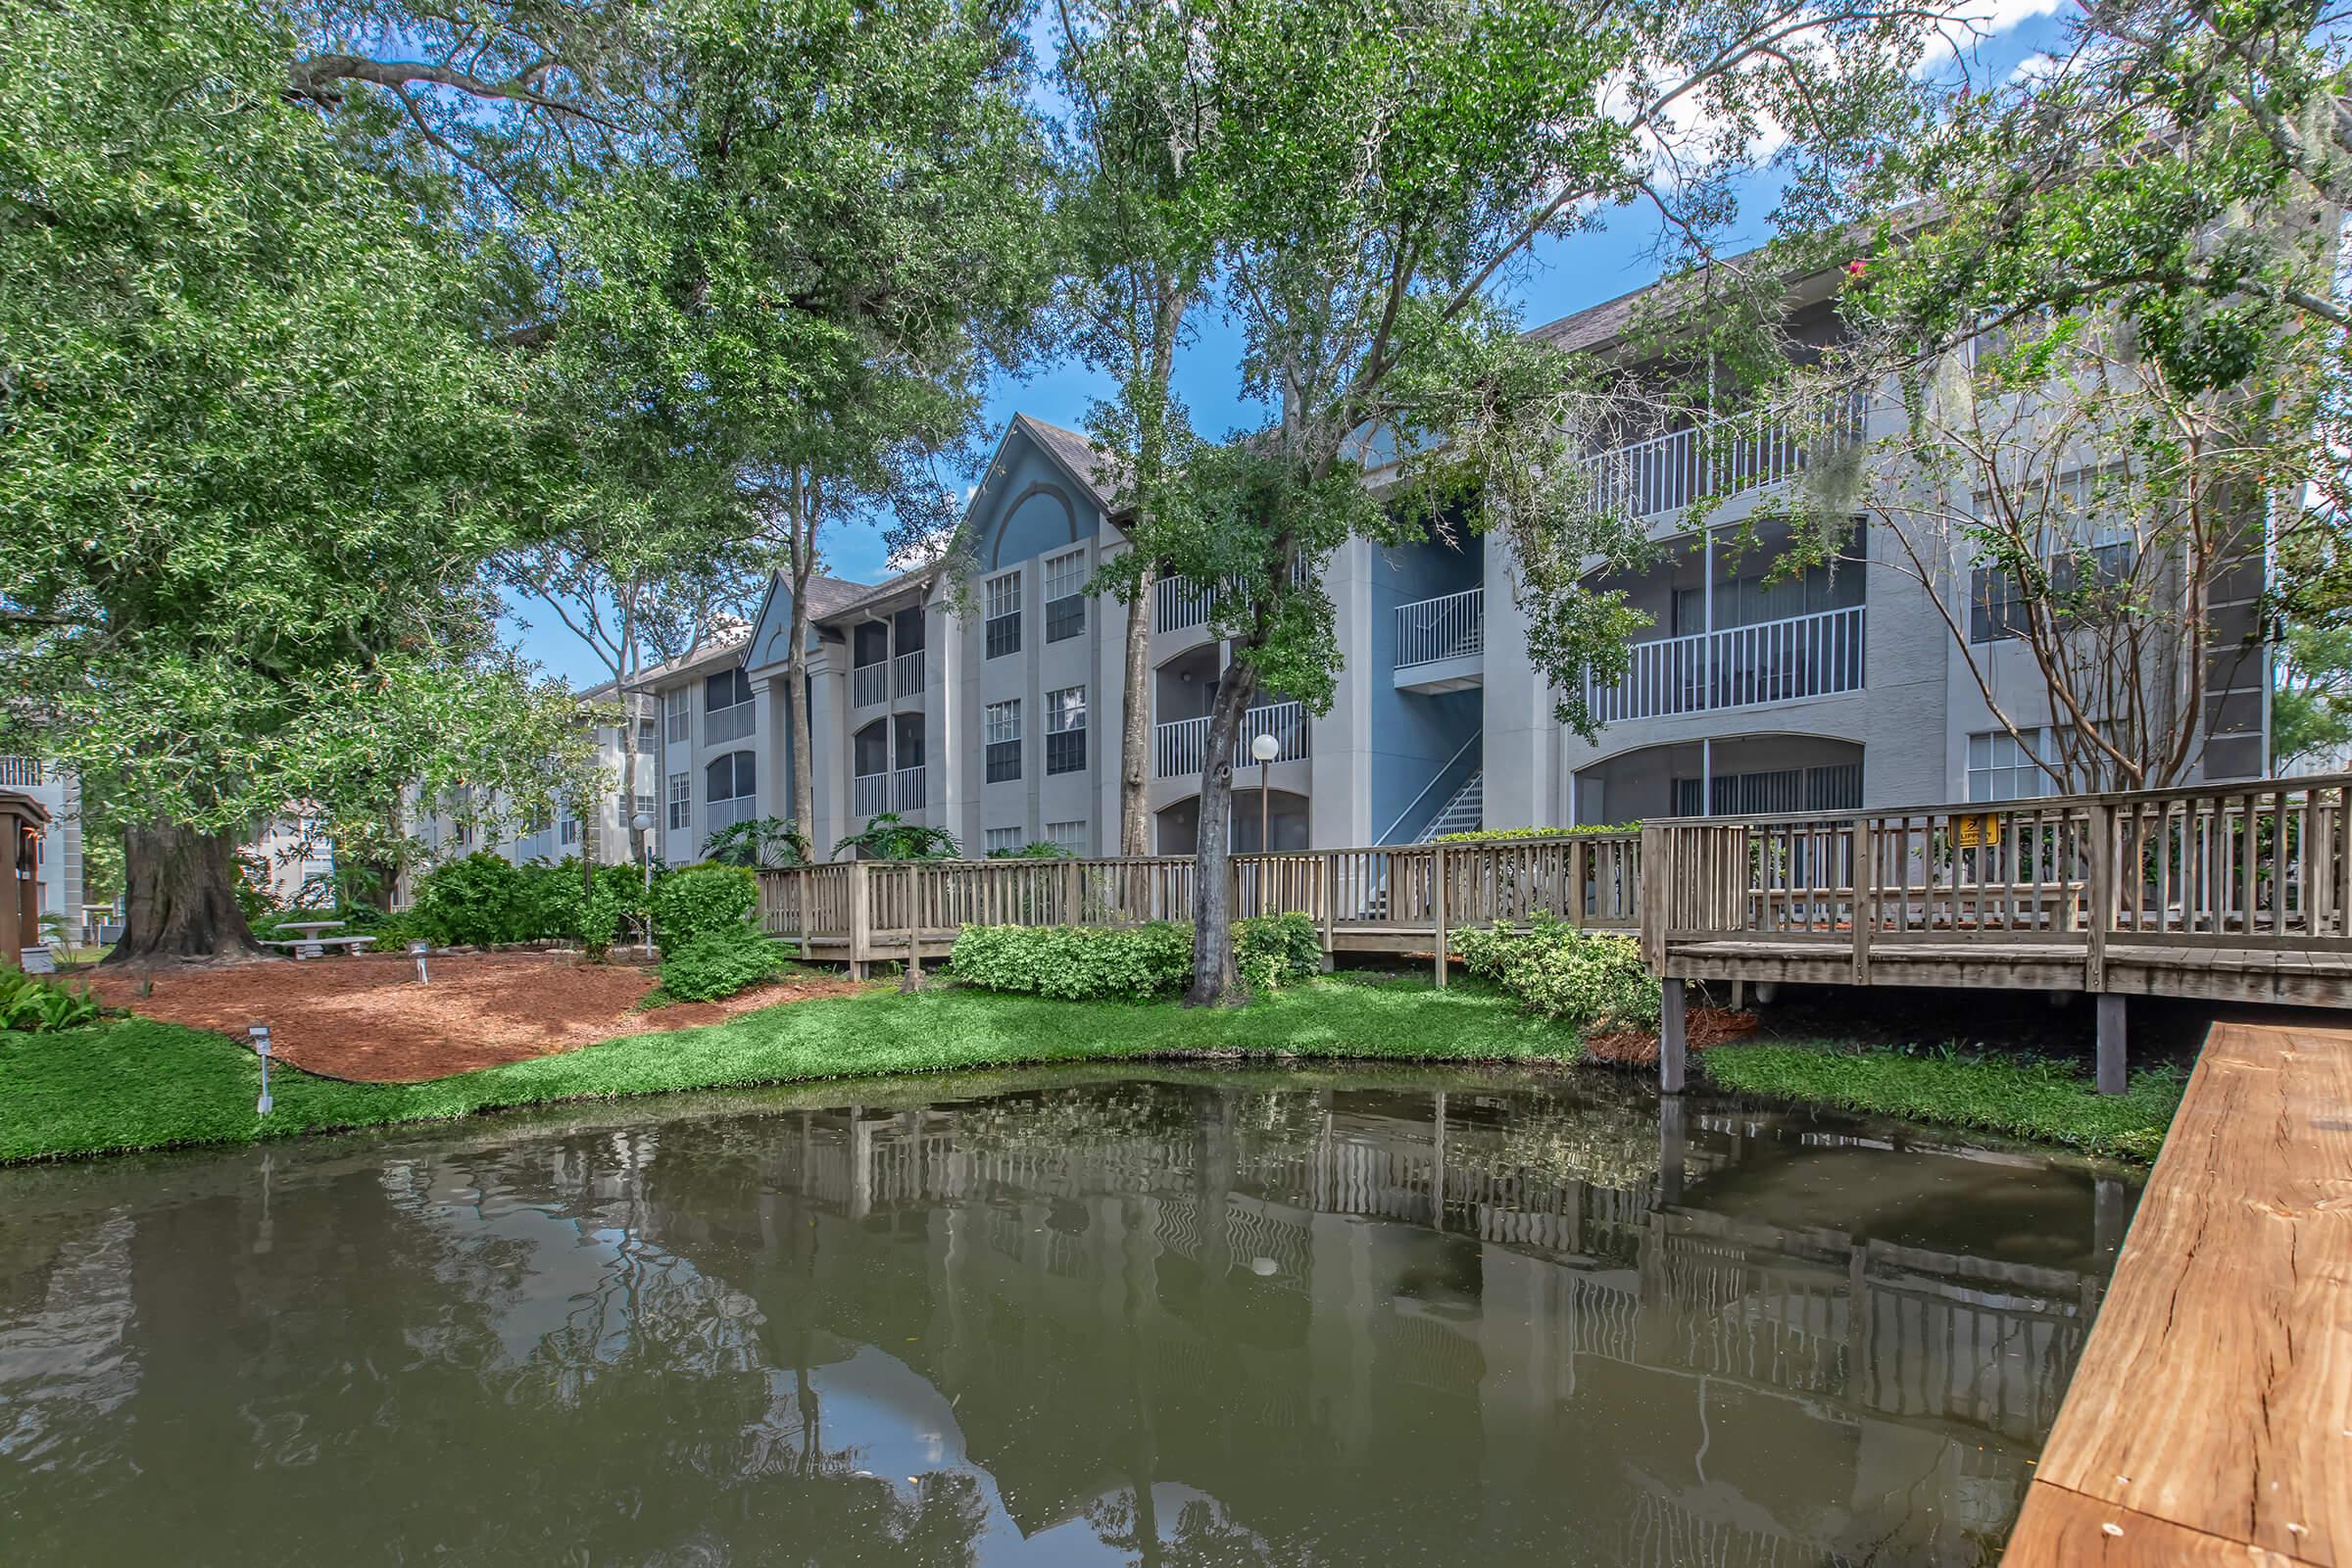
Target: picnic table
[(309, 943)]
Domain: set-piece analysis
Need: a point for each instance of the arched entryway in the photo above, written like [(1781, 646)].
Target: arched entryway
[(1745, 773), (1178, 824)]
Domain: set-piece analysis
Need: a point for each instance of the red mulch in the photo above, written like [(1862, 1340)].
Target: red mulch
[(1707, 1026), (368, 1020)]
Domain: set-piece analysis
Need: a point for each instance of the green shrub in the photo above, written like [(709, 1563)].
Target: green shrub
[(1034, 850), (721, 961), (697, 899), (477, 899), (1594, 980), (1075, 963), (1273, 950), (35, 1006)]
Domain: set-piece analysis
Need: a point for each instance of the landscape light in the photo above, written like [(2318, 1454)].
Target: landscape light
[(418, 951)]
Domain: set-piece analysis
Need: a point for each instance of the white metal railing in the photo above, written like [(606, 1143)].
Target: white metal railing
[(730, 723), (1181, 745), (869, 684), (907, 673), (1771, 661), (1720, 457), (19, 772), (910, 788), (870, 793), (1449, 626), (1179, 603)]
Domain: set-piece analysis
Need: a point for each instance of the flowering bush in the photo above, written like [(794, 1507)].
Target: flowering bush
[(1594, 980)]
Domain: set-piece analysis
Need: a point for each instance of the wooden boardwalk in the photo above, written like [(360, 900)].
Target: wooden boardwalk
[(2210, 1419)]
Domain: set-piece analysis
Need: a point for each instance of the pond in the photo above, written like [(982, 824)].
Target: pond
[(1077, 1316)]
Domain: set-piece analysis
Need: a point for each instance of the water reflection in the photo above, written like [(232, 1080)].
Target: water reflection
[(1072, 1317)]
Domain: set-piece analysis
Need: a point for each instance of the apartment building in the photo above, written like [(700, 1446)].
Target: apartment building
[(992, 708)]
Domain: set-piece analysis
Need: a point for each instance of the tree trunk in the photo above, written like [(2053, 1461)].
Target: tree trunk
[(1214, 983), (1135, 724), (801, 805), (183, 899)]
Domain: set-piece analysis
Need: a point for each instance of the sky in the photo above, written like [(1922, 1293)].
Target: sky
[(1566, 275)]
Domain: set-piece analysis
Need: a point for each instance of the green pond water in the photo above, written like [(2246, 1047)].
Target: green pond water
[(1075, 1316)]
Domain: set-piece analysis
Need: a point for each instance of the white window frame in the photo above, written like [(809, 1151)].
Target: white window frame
[(1070, 836), (1065, 573), (1000, 601), (1001, 721), (997, 839), (2008, 760), (677, 709), (681, 801)]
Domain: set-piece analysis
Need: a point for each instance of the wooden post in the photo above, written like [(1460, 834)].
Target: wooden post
[(2100, 915), (2112, 1076), (805, 879), (1672, 1039), (1323, 904), (912, 979), (1074, 889), (1866, 902), (861, 913), (1436, 904), (1580, 865)]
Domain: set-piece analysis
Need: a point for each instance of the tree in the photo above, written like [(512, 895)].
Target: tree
[(254, 442), (2310, 712), (814, 287), (1382, 169), (1140, 255)]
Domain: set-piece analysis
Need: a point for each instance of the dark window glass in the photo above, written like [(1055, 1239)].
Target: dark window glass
[(1004, 760), (1066, 753), (1065, 618)]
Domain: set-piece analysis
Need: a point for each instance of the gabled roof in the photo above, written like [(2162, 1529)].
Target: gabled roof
[(1074, 455), (723, 644), (851, 603)]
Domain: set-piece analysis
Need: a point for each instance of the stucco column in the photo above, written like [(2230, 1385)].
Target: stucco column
[(1338, 808), (1520, 747), (828, 747), (772, 790)]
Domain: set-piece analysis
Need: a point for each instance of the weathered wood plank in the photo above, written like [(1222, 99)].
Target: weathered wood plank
[(2216, 1391), (2061, 1529)]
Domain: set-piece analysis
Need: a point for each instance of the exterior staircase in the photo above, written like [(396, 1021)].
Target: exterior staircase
[(1464, 814)]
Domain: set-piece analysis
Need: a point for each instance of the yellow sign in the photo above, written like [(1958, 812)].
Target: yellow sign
[(1973, 832)]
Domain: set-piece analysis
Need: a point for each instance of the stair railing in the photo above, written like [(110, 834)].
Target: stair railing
[(1443, 769)]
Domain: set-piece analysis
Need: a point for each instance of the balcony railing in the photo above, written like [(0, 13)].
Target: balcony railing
[(869, 684), (1723, 456), (907, 673), (1181, 745), (1179, 603), (730, 723), (19, 772), (1453, 626), (910, 788), (1772, 662), (870, 793)]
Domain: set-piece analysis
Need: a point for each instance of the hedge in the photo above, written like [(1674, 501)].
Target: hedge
[(1092, 963)]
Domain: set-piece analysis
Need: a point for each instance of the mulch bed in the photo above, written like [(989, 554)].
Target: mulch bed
[(368, 1020), (1706, 1027)]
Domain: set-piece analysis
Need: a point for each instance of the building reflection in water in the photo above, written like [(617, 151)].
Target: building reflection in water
[(1181, 1318)]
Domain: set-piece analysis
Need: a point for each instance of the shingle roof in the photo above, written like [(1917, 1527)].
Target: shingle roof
[(867, 595), (1086, 462)]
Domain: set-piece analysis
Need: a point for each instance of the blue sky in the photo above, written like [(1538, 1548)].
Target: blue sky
[(1566, 275)]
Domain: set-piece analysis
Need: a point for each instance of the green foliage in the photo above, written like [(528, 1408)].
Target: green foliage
[(253, 889), (33, 1006), (472, 901), (2311, 711), (1034, 850), (1274, 951), (482, 899), (1594, 981), (721, 961), (1075, 963), (770, 841), (1486, 834), (697, 899), (887, 836), (2024, 1097)]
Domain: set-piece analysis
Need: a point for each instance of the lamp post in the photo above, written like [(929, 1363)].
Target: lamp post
[(261, 1048), (1265, 749), (644, 824)]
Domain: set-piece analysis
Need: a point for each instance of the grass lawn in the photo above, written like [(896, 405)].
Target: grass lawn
[(139, 1084), (2022, 1096)]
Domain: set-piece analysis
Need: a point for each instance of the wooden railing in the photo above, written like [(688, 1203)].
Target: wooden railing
[(1414, 894), (2265, 865)]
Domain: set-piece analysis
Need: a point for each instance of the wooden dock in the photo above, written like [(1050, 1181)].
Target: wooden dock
[(2210, 1419)]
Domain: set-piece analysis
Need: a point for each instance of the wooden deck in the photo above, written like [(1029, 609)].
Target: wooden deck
[(2210, 1419)]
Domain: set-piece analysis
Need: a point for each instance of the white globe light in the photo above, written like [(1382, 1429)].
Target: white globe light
[(1266, 748), (642, 822)]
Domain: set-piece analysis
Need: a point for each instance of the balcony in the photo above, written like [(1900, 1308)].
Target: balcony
[(20, 773), (730, 723), (907, 673), (1727, 457), (1179, 603), (909, 789), (1181, 747), (1739, 666), (869, 685), (1441, 642), (870, 793)]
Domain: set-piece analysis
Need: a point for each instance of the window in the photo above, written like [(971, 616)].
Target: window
[(1001, 840), (728, 713), (2001, 768), (677, 710), (1002, 733), (1003, 596), (2083, 534), (461, 835), (567, 831), (1066, 730), (649, 734), (1998, 605), (1066, 595), (729, 786), (681, 801), (1070, 836)]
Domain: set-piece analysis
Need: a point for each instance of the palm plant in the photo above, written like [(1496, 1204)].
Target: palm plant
[(887, 836), (764, 840)]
